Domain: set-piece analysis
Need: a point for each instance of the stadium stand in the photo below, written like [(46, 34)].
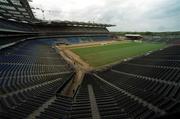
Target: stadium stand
[(76, 40), (152, 87), (132, 89), (33, 75), (18, 22), (15, 26), (122, 92)]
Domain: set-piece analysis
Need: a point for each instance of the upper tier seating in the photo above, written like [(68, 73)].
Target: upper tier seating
[(10, 25), (76, 40)]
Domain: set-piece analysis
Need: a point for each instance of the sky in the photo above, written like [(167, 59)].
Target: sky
[(127, 15)]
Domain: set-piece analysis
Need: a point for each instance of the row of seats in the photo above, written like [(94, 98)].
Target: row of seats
[(165, 74), (4, 24), (17, 83), (131, 89), (128, 90), (59, 109), (31, 74), (157, 62), (151, 79), (31, 100), (132, 86), (80, 107), (111, 103), (76, 40), (14, 58), (69, 29), (106, 103), (154, 86), (13, 70)]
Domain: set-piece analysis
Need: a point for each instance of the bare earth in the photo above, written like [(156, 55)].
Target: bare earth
[(80, 68)]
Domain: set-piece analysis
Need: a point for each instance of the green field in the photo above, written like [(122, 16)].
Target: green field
[(107, 54)]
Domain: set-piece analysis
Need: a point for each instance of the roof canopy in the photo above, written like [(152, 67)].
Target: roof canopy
[(72, 23), (18, 10)]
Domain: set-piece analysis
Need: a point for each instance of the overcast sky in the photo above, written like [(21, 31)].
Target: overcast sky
[(127, 15)]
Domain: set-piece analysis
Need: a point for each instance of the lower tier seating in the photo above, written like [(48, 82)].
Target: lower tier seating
[(31, 74)]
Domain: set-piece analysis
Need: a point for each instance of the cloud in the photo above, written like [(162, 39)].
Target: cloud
[(128, 15)]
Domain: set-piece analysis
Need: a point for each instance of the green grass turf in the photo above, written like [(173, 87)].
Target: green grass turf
[(107, 54)]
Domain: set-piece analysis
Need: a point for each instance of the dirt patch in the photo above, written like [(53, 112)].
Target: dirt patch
[(80, 66), (74, 59)]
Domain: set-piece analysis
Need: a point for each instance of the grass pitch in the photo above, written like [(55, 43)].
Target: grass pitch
[(106, 54)]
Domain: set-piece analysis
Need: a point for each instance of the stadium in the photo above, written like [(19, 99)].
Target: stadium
[(81, 70)]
